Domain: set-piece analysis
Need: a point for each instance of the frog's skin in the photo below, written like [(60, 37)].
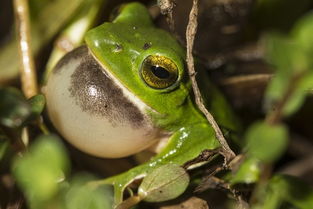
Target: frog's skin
[(98, 100)]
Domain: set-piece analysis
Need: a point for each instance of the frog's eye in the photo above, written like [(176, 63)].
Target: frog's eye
[(115, 12), (159, 72)]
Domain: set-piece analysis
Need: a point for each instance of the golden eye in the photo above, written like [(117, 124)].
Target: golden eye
[(159, 72)]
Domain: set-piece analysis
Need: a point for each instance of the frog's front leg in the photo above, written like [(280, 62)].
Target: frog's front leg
[(184, 145)]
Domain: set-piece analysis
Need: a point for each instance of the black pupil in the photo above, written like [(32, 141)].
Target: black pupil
[(160, 72)]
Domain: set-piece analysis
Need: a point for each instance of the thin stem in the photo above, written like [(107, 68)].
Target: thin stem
[(27, 68), (246, 78), (42, 126), (190, 35), (275, 116), (130, 202)]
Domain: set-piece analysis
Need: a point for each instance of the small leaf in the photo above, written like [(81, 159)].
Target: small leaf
[(39, 171), (4, 147), (266, 142), (248, 172), (164, 183), (298, 96), (285, 190), (291, 57), (81, 196), (288, 60), (14, 109), (285, 54), (37, 103), (302, 32)]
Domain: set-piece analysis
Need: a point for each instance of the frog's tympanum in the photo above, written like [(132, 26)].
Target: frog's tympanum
[(128, 90)]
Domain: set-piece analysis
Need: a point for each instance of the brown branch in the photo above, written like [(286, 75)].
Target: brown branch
[(27, 68), (205, 156), (190, 35)]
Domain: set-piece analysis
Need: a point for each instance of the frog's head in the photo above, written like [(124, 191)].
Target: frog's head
[(144, 59), (123, 92)]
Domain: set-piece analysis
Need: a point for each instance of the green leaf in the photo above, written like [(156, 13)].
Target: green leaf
[(4, 147), (289, 60), (300, 89), (286, 190), (14, 109), (164, 183), (81, 196), (266, 142), (291, 57), (39, 171), (248, 172), (37, 103), (287, 56), (302, 32), (298, 96)]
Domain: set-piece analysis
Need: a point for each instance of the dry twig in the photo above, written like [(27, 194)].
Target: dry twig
[(27, 68), (190, 35)]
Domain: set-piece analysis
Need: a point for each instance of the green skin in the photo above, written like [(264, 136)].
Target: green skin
[(119, 46)]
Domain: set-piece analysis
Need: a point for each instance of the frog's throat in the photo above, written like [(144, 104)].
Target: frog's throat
[(93, 113)]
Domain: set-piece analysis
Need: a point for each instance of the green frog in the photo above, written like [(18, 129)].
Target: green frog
[(127, 90)]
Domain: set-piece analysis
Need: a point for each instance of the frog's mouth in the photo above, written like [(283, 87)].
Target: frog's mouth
[(99, 93)]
